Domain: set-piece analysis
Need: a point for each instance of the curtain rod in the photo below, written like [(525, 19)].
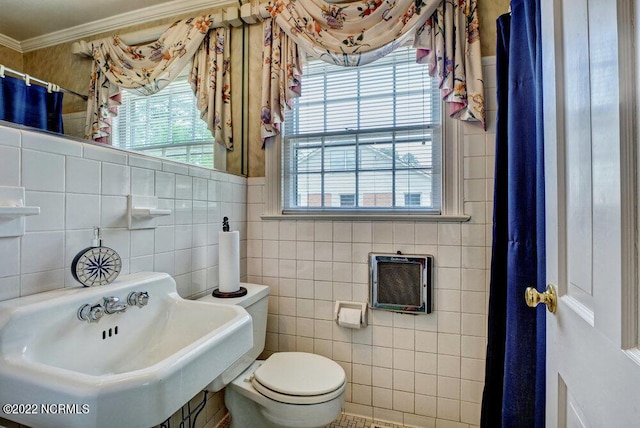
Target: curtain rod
[(248, 13), (28, 79)]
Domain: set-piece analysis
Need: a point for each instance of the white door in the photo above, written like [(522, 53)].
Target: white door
[(593, 363)]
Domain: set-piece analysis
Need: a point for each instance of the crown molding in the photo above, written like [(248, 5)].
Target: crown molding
[(135, 17), (10, 43)]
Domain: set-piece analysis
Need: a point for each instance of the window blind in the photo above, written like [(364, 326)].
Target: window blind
[(373, 132), (166, 124)]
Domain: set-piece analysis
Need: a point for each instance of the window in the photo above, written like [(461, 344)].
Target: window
[(364, 139), (412, 199), (166, 124), (348, 200)]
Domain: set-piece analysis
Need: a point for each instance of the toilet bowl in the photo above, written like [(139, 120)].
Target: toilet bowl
[(293, 398), (288, 389)]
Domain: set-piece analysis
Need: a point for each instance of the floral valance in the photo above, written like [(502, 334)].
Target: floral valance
[(149, 68), (352, 33), (444, 32)]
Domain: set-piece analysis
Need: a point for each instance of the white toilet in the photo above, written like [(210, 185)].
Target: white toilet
[(288, 389)]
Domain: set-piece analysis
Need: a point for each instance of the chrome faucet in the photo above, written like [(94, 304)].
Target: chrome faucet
[(112, 305)]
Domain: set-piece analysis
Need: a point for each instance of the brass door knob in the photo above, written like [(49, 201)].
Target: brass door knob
[(549, 298)]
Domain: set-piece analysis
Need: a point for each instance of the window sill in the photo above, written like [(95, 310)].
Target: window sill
[(422, 218)]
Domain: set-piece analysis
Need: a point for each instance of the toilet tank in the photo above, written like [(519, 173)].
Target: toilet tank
[(256, 303)]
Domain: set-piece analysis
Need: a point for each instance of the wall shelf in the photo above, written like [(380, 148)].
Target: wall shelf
[(143, 212), (149, 212), (13, 211)]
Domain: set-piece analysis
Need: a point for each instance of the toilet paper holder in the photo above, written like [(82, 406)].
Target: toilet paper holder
[(362, 307)]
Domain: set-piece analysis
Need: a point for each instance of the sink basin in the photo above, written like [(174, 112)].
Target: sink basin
[(129, 369)]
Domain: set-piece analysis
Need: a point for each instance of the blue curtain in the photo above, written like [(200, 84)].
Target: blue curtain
[(30, 105), (515, 365)]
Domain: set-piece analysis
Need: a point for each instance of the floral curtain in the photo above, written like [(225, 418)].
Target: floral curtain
[(149, 68), (102, 105), (281, 71), (358, 32), (211, 82), (449, 44)]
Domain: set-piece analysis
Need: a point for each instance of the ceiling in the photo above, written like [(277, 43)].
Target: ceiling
[(32, 24)]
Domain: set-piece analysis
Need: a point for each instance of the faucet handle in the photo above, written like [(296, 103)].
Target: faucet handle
[(90, 313), (112, 305), (138, 298)]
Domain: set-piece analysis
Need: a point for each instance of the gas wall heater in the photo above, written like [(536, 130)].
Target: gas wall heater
[(401, 283)]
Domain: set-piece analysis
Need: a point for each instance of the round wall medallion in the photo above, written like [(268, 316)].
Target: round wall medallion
[(96, 266)]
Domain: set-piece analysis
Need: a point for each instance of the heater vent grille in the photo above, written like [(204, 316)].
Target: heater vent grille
[(401, 283)]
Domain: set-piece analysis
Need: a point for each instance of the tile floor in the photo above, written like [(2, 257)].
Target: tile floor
[(344, 421), (349, 421)]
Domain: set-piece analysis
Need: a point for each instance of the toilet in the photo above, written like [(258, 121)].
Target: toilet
[(288, 389)]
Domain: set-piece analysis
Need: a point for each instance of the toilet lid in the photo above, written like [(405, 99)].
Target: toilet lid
[(300, 374)]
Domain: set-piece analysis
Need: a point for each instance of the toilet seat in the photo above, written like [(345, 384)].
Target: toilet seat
[(299, 378)]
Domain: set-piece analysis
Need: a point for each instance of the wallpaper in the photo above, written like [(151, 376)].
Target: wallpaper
[(10, 58), (489, 11)]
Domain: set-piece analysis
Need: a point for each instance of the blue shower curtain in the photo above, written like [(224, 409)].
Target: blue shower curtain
[(30, 105), (515, 366)]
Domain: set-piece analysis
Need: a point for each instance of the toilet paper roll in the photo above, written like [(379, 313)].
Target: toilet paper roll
[(229, 261), (349, 318)]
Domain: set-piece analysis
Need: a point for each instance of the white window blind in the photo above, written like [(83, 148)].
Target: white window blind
[(373, 132), (166, 124)]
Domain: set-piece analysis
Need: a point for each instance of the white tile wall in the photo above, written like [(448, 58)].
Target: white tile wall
[(80, 185), (423, 370)]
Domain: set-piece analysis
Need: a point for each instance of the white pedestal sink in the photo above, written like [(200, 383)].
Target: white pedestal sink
[(129, 369)]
